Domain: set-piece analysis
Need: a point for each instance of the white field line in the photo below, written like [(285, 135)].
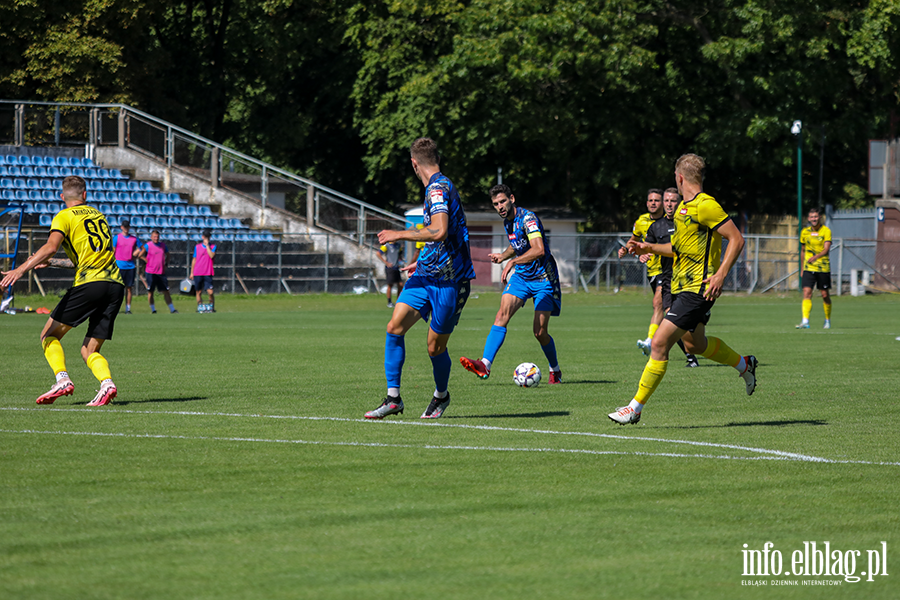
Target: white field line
[(767, 453)]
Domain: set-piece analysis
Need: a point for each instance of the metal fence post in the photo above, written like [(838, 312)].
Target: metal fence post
[(214, 167), (233, 262), (280, 242), (20, 125), (840, 266), (310, 207), (327, 257)]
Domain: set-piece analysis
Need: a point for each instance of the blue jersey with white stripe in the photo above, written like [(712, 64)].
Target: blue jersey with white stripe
[(450, 259), (522, 226)]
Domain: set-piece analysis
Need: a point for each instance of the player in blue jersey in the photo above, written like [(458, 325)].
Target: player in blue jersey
[(437, 287), (535, 277)]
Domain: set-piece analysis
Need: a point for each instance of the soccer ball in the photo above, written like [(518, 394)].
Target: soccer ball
[(527, 375)]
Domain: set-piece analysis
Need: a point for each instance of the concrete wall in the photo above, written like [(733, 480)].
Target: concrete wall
[(230, 204)]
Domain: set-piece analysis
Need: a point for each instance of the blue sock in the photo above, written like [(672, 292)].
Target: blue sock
[(394, 355), (494, 341), (440, 365), (550, 353)]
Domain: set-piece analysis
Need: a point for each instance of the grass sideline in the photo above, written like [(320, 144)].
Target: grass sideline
[(235, 462)]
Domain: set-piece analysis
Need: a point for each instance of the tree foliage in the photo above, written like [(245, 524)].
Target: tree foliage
[(582, 103)]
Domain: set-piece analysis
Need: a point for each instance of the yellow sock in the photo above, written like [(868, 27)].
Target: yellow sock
[(652, 375), (827, 306), (652, 330), (807, 307), (98, 366), (53, 351), (718, 351)]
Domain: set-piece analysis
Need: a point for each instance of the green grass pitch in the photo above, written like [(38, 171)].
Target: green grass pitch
[(235, 462)]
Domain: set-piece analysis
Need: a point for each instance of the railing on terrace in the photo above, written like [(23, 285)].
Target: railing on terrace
[(291, 265), (26, 123)]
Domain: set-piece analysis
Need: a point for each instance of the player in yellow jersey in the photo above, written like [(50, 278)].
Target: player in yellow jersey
[(816, 242), (95, 296), (654, 267), (697, 279)]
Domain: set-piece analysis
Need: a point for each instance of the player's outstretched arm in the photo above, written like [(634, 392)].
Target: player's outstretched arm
[(505, 255), (639, 248), (435, 232), (41, 257)]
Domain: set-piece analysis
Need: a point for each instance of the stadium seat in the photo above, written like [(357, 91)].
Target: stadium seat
[(137, 221), (34, 195), (116, 174), (155, 210), (4, 172), (14, 171), (114, 220), (149, 221), (79, 172), (133, 186), (40, 172), (49, 196), (19, 183), (28, 207), (180, 211), (88, 163), (45, 184), (27, 171), (193, 211), (33, 184), (123, 197), (121, 186), (21, 195), (45, 220), (65, 172), (23, 159), (52, 172), (167, 210), (8, 195), (6, 182), (205, 211), (41, 207), (173, 197), (146, 187), (109, 186)]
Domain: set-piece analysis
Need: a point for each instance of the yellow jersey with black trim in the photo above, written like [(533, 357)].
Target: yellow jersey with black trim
[(696, 243), (87, 242), (643, 223), (813, 243)]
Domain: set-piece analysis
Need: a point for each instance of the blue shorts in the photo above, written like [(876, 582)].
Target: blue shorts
[(442, 300), (546, 293), (203, 282)]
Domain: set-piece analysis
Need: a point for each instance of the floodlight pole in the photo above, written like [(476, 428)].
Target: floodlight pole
[(797, 129)]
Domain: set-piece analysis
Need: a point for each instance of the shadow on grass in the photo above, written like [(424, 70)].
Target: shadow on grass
[(584, 381), (184, 399), (537, 415), (813, 422)]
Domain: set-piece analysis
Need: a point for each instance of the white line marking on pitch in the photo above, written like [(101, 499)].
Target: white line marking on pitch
[(774, 453), (419, 446)]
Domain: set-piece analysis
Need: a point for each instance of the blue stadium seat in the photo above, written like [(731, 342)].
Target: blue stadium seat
[(34, 195), (55, 207), (175, 198), (39, 161), (149, 221), (21, 195), (91, 174), (41, 207), (180, 210), (46, 184), (146, 187), (167, 210), (114, 220), (137, 221), (27, 171), (24, 159), (105, 208), (193, 211), (142, 209), (123, 197), (8, 195), (136, 196), (109, 186), (103, 174), (65, 172), (28, 207), (88, 162), (11, 159), (14, 171), (40, 171), (3, 159), (33, 184), (133, 186), (79, 172), (121, 186), (45, 220), (205, 211), (19, 183), (94, 184), (4, 172), (49, 195), (6, 182), (155, 210), (52, 172), (116, 174)]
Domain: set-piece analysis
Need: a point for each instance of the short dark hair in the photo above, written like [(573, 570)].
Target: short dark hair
[(207, 233), (425, 151), (500, 188), (671, 190), (655, 191), (817, 210), (73, 186), (156, 231), (125, 223)]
